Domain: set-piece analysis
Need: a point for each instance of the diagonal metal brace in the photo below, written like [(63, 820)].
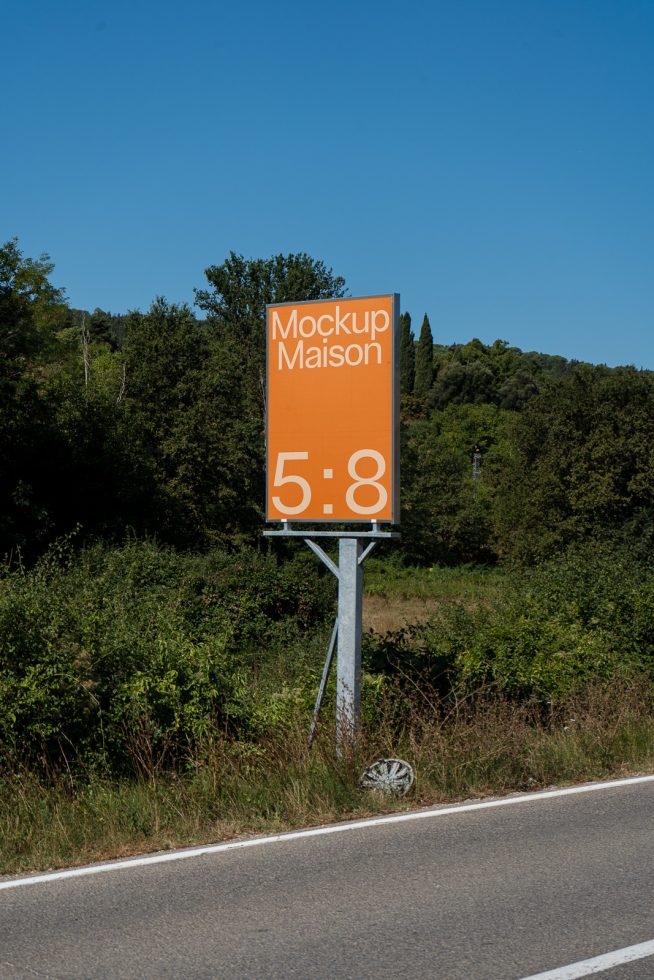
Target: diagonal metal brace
[(323, 682), (364, 554), (325, 559)]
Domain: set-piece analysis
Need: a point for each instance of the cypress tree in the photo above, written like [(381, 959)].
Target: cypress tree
[(407, 356), (424, 361)]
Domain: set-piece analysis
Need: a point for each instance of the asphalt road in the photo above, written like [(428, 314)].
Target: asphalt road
[(503, 892)]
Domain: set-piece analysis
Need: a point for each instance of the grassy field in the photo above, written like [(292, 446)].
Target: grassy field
[(395, 596)]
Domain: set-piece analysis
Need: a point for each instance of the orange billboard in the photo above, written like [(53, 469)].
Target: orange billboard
[(332, 432)]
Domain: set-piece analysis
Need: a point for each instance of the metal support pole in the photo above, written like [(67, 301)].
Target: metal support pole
[(353, 548), (348, 663)]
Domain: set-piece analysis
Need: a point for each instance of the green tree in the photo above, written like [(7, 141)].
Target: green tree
[(407, 356), (424, 371), (446, 515), (236, 329), (518, 390), (26, 291), (99, 326), (240, 290), (464, 384), (100, 476), (103, 327), (31, 311), (582, 467), (195, 425)]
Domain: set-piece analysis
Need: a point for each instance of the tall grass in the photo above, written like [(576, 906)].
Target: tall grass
[(489, 745)]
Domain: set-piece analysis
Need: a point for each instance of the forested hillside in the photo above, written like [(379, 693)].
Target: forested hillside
[(152, 422)]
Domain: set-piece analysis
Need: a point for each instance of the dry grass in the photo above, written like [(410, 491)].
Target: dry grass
[(398, 597), (460, 750), (384, 615)]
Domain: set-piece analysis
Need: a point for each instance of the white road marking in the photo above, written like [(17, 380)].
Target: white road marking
[(337, 828), (597, 964)]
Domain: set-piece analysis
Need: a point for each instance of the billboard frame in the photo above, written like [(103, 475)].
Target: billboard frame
[(394, 519)]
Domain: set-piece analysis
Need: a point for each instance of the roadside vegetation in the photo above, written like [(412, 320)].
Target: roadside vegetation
[(159, 660), (154, 699), (491, 746)]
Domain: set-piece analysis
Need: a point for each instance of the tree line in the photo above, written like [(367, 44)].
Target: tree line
[(153, 422)]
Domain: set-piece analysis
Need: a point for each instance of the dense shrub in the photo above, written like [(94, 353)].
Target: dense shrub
[(588, 615), (137, 658), (132, 656)]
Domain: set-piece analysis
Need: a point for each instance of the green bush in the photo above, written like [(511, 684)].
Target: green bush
[(588, 615), (130, 657)]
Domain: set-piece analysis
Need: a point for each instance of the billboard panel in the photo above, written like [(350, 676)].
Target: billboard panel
[(332, 439)]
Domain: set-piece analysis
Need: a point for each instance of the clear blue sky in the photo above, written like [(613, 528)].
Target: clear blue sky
[(491, 160)]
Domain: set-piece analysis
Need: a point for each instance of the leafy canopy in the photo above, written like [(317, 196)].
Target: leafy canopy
[(241, 288)]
